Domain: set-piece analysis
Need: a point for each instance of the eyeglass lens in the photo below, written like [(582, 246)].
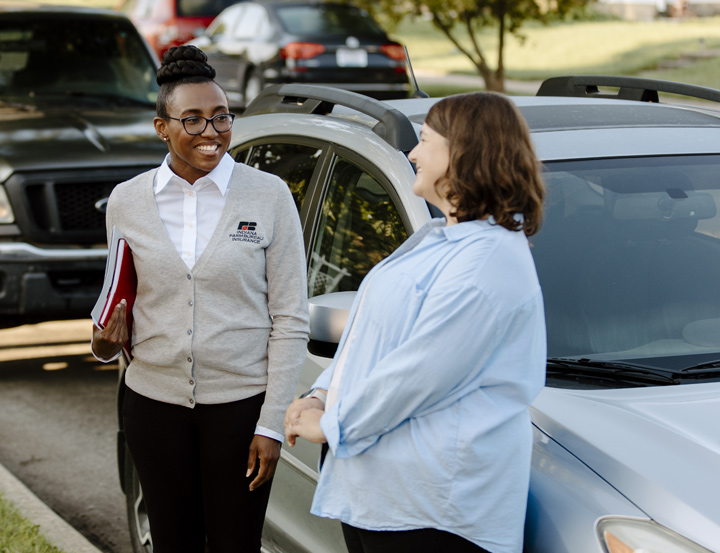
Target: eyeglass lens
[(222, 122)]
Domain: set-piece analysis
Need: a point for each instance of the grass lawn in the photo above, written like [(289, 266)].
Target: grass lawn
[(17, 535), (603, 47)]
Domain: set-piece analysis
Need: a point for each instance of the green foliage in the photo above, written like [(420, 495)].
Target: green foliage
[(18, 535), (458, 19)]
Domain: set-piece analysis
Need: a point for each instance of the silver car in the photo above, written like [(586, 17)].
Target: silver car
[(626, 436)]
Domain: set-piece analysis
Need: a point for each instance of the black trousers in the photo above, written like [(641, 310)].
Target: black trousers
[(192, 465), (425, 540)]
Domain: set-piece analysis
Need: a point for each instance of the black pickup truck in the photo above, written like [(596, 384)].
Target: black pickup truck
[(77, 96)]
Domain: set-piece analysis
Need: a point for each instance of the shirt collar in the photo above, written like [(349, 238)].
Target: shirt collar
[(458, 231), (220, 176)]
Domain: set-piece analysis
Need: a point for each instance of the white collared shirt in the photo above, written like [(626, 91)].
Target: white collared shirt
[(190, 212)]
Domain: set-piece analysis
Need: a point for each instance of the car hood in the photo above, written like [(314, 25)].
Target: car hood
[(38, 138), (658, 446)]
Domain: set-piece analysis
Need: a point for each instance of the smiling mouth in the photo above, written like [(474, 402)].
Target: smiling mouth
[(208, 148)]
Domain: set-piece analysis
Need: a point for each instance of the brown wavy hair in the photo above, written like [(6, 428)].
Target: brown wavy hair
[(493, 169)]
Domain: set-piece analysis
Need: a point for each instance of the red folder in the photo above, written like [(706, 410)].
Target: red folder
[(120, 283)]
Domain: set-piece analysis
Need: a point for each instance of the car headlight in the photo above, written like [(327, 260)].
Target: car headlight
[(635, 535), (6, 212)]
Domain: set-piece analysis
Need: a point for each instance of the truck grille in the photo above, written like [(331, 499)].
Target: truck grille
[(61, 208)]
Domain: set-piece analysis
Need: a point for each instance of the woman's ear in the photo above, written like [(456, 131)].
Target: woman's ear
[(161, 128)]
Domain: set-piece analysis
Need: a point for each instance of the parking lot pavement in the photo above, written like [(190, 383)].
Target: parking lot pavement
[(58, 532)]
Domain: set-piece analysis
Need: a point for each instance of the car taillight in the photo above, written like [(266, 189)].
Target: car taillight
[(393, 51), (301, 50)]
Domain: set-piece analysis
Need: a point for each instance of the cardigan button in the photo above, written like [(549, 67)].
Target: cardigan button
[(189, 277), (189, 359), (192, 402), (189, 332)]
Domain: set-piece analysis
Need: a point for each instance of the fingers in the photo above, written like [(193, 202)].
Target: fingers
[(252, 458), (266, 451)]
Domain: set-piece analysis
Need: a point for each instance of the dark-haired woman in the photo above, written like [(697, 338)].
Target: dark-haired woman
[(220, 321), (425, 406)]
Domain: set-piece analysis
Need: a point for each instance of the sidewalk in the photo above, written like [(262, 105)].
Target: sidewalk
[(58, 532)]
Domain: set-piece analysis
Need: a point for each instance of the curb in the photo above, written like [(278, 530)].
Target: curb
[(55, 529)]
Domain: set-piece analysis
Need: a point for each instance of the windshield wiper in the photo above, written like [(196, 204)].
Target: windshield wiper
[(117, 98), (703, 368), (616, 368)]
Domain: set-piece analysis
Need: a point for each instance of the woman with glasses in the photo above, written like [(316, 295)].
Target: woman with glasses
[(220, 321)]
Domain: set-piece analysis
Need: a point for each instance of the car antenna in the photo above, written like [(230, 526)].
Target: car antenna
[(418, 93)]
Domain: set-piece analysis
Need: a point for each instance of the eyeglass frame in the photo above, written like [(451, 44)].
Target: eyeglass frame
[(211, 120)]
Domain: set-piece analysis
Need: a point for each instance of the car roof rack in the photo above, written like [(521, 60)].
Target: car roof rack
[(630, 88), (392, 125)]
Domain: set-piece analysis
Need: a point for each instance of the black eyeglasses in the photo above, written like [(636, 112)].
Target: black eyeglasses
[(196, 124)]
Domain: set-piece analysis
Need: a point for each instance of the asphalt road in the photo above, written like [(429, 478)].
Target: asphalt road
[(58, 427)]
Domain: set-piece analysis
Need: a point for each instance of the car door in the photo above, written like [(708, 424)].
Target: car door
[(352, 218)]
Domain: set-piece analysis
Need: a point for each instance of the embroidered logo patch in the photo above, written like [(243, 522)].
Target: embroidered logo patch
[(247, 232)]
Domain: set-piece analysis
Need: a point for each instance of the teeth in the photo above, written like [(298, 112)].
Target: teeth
[(208, 148)]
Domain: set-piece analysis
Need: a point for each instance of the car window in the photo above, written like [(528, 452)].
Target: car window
[(629, 257), (327, 20), (294, 163), (224, 23), (42, 58), (359, 225), (253, 19)]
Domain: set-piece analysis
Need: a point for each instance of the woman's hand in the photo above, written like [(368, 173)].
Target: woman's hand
[(306, 425), (267, 451), (293, 413), (108, 342)]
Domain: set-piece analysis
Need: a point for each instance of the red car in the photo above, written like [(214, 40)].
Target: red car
[(168, 23)]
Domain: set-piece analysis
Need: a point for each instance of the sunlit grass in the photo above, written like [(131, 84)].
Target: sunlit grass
[(607, 47), (18, 535)]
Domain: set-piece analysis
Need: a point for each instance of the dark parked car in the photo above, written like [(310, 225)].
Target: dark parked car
[(256, 44), (168, 23), (77, 96)]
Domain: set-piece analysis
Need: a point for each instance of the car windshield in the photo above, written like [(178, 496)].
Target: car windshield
[(629, 260), (316, 19), (75, 58)]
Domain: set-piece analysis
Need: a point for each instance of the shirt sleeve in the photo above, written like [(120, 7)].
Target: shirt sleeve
[(454, 335), (261, 431), (287, 305)]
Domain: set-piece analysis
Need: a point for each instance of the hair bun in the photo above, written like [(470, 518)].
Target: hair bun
[(180, 62)]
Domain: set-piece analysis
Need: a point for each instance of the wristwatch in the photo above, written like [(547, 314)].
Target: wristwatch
[(317, 393)]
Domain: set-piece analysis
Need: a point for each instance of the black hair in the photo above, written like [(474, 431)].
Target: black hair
[(181, 65)]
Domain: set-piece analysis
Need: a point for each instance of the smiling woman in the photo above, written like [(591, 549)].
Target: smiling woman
[(206, 390)]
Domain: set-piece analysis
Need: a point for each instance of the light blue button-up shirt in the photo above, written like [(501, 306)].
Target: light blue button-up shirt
[(431, 426)]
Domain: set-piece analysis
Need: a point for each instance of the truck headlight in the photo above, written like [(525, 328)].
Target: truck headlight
[(6, 212), (635, 535)]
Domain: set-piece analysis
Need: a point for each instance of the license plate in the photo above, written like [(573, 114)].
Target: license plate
[(351, 58)]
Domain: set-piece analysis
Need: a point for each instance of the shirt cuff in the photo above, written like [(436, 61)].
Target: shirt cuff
[(262, 431)]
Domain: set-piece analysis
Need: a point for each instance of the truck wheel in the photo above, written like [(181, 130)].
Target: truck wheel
[(136, 513)]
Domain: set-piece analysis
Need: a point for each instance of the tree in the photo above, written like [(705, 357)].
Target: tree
[(473, 15)]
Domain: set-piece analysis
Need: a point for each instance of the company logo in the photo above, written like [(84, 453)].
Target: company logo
[(247, 232)]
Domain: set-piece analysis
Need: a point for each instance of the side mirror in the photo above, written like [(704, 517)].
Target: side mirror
[(328, 315)]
